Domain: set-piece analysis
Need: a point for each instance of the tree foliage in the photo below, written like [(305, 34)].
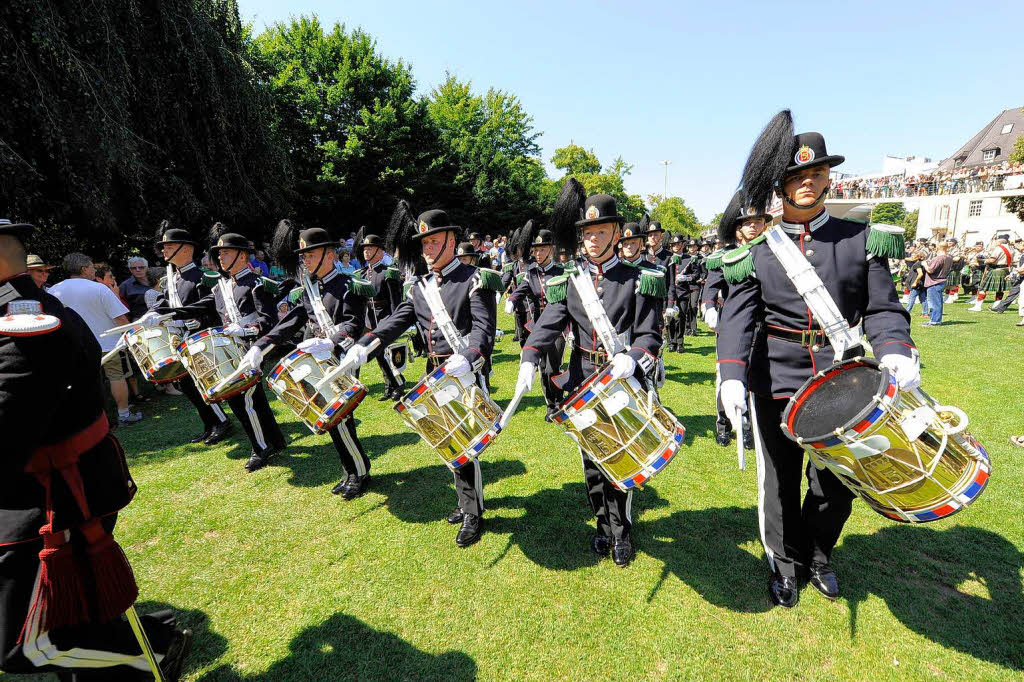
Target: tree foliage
[(675, 216), (909, 224), (573, 159), (889, 213)]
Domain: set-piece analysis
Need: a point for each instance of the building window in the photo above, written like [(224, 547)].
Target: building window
[(989, 155), (974, 209), (959, 161), (1006, 128), (943, 213)]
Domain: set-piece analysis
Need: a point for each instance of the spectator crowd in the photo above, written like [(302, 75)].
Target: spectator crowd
[(928, 183)]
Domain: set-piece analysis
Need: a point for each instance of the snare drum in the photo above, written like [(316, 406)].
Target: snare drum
[(453, 415), (318, 395), (622, 428), (211, 355), (155, 350), (901, 452)]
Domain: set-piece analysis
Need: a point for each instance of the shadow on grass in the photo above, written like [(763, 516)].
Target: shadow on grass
[(207, 645), (321, 466), (345, 648), (698, 425), (692, 377), (959, 587)]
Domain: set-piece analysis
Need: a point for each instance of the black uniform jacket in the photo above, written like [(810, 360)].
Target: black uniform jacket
[(52, 397), (531, 289), (388, 288), (256, 305), (473, 310), (631, 313), (859, 283), (346, 309), (188, 283)]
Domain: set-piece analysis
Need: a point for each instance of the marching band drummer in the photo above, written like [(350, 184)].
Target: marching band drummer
[(632, 298), (185, 287), (469, 295), (851, 261), (257, 312), (58, 452), (344, 300), (386, 281)]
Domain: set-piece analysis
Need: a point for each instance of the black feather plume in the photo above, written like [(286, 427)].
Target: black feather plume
[(399, 240), (512, 245), (769, 157), (282, 247), (357, 245), (161, 228), (567, 211), (645, 223), (525, 238), (727, 223), (216, 231)]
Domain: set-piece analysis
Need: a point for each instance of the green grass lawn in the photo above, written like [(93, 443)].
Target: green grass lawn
[(280, 580)]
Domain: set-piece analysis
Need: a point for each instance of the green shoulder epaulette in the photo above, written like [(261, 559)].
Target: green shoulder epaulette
[(271, 286), (886, 241), (210, 278), (738, 264), (652, 283), (557, 288), (361, 287), (393, 273), (507, 267), (490, 279), (519, 277), (677, 258), (295, 295), (714, 260)]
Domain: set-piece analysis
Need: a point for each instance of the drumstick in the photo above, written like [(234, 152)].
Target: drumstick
[(344, 368), (112, 354), (132, 325), (741, 456), (513, 405)]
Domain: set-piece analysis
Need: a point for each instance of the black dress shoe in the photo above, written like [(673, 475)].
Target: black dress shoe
[(623, 552), (455, 517), (218, 433), (174, 657), (258, 460), (823, 577), (199, 437), (783, 590), (723, 434), (472, 529), (748, 439), (600, 544), (342, 484), (356, 486)]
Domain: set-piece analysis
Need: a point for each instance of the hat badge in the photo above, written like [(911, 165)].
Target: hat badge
[(593, 212), (423, 226), (302, 243), (220, 242), (538, 240), (628, 232), (804, 155)]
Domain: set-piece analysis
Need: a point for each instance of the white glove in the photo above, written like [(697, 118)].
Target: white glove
[(355, 358), (252, 359), (906, 370), (711, 317), (149, 319), (234, 330), (671, 312), (734, 401), (508, 306), (457, 366), (526, 375), (317, 346), (623, 365)]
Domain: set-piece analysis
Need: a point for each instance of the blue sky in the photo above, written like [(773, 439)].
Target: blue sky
[(694, 83)]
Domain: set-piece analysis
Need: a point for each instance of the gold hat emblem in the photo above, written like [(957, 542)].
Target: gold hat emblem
[(423, 226), (628, 232), (804, 155), (220, 242), (302, 243), (538, 240), (593, 212)]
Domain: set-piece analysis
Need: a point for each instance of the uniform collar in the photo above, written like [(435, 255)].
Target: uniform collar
[(449, 269), (596, 268), (635, 261), (241, 273), (809, 226), (331, 275), (551, 264), (186, 268)]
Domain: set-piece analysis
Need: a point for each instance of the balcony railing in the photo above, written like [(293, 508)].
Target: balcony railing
[(903, 188)]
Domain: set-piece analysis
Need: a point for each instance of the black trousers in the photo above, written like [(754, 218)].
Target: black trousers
[(675, 327), (794, 535), (211, 415), (350, 450), (550, 365), (390, 380), (519, 314), (469, 483), (253, 411), (107, 651), (691, 311)]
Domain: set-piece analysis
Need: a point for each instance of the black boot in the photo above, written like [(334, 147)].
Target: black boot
[(748, 438), (623, 552), (472, 529), (723, 433), (455, 517), (177, 652), (200, 437), (218, 433), (355, 487), (342, 484), (258, 460)]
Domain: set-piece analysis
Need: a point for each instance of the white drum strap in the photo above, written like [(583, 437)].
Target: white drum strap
[(595, 311), (227, 295), (172, 287), (432, 295), (323, 319), (810, 287)]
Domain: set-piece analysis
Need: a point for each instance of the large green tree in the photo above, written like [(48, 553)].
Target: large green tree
[(581, 163), (674, 215), (119, 114), (889, 212), (1015, 205)]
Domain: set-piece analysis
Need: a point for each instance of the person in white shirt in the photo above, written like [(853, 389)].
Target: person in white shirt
[(101, 310)]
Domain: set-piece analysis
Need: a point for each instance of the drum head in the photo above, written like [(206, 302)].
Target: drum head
[(835, 401)]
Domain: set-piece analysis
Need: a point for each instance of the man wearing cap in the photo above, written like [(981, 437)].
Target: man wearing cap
[(39, 271), (484, 258), (343, 299), (469, 296), (532, 287), (64, 581), (632, 298), (680, 281), (185, 286), (852, 262), (257, 313), (386, 281), (656, 251), (467, 254)]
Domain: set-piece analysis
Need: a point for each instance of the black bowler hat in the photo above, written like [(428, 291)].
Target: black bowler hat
[(655, 227), (809, 151), (315, 238), (543, 238), (231, 240), (597, 209), (371, 240), (692, 242), (433, 221), (19, 230), (467, 249), (176, 235), (475, 235), (632, 231), (676, 239)]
